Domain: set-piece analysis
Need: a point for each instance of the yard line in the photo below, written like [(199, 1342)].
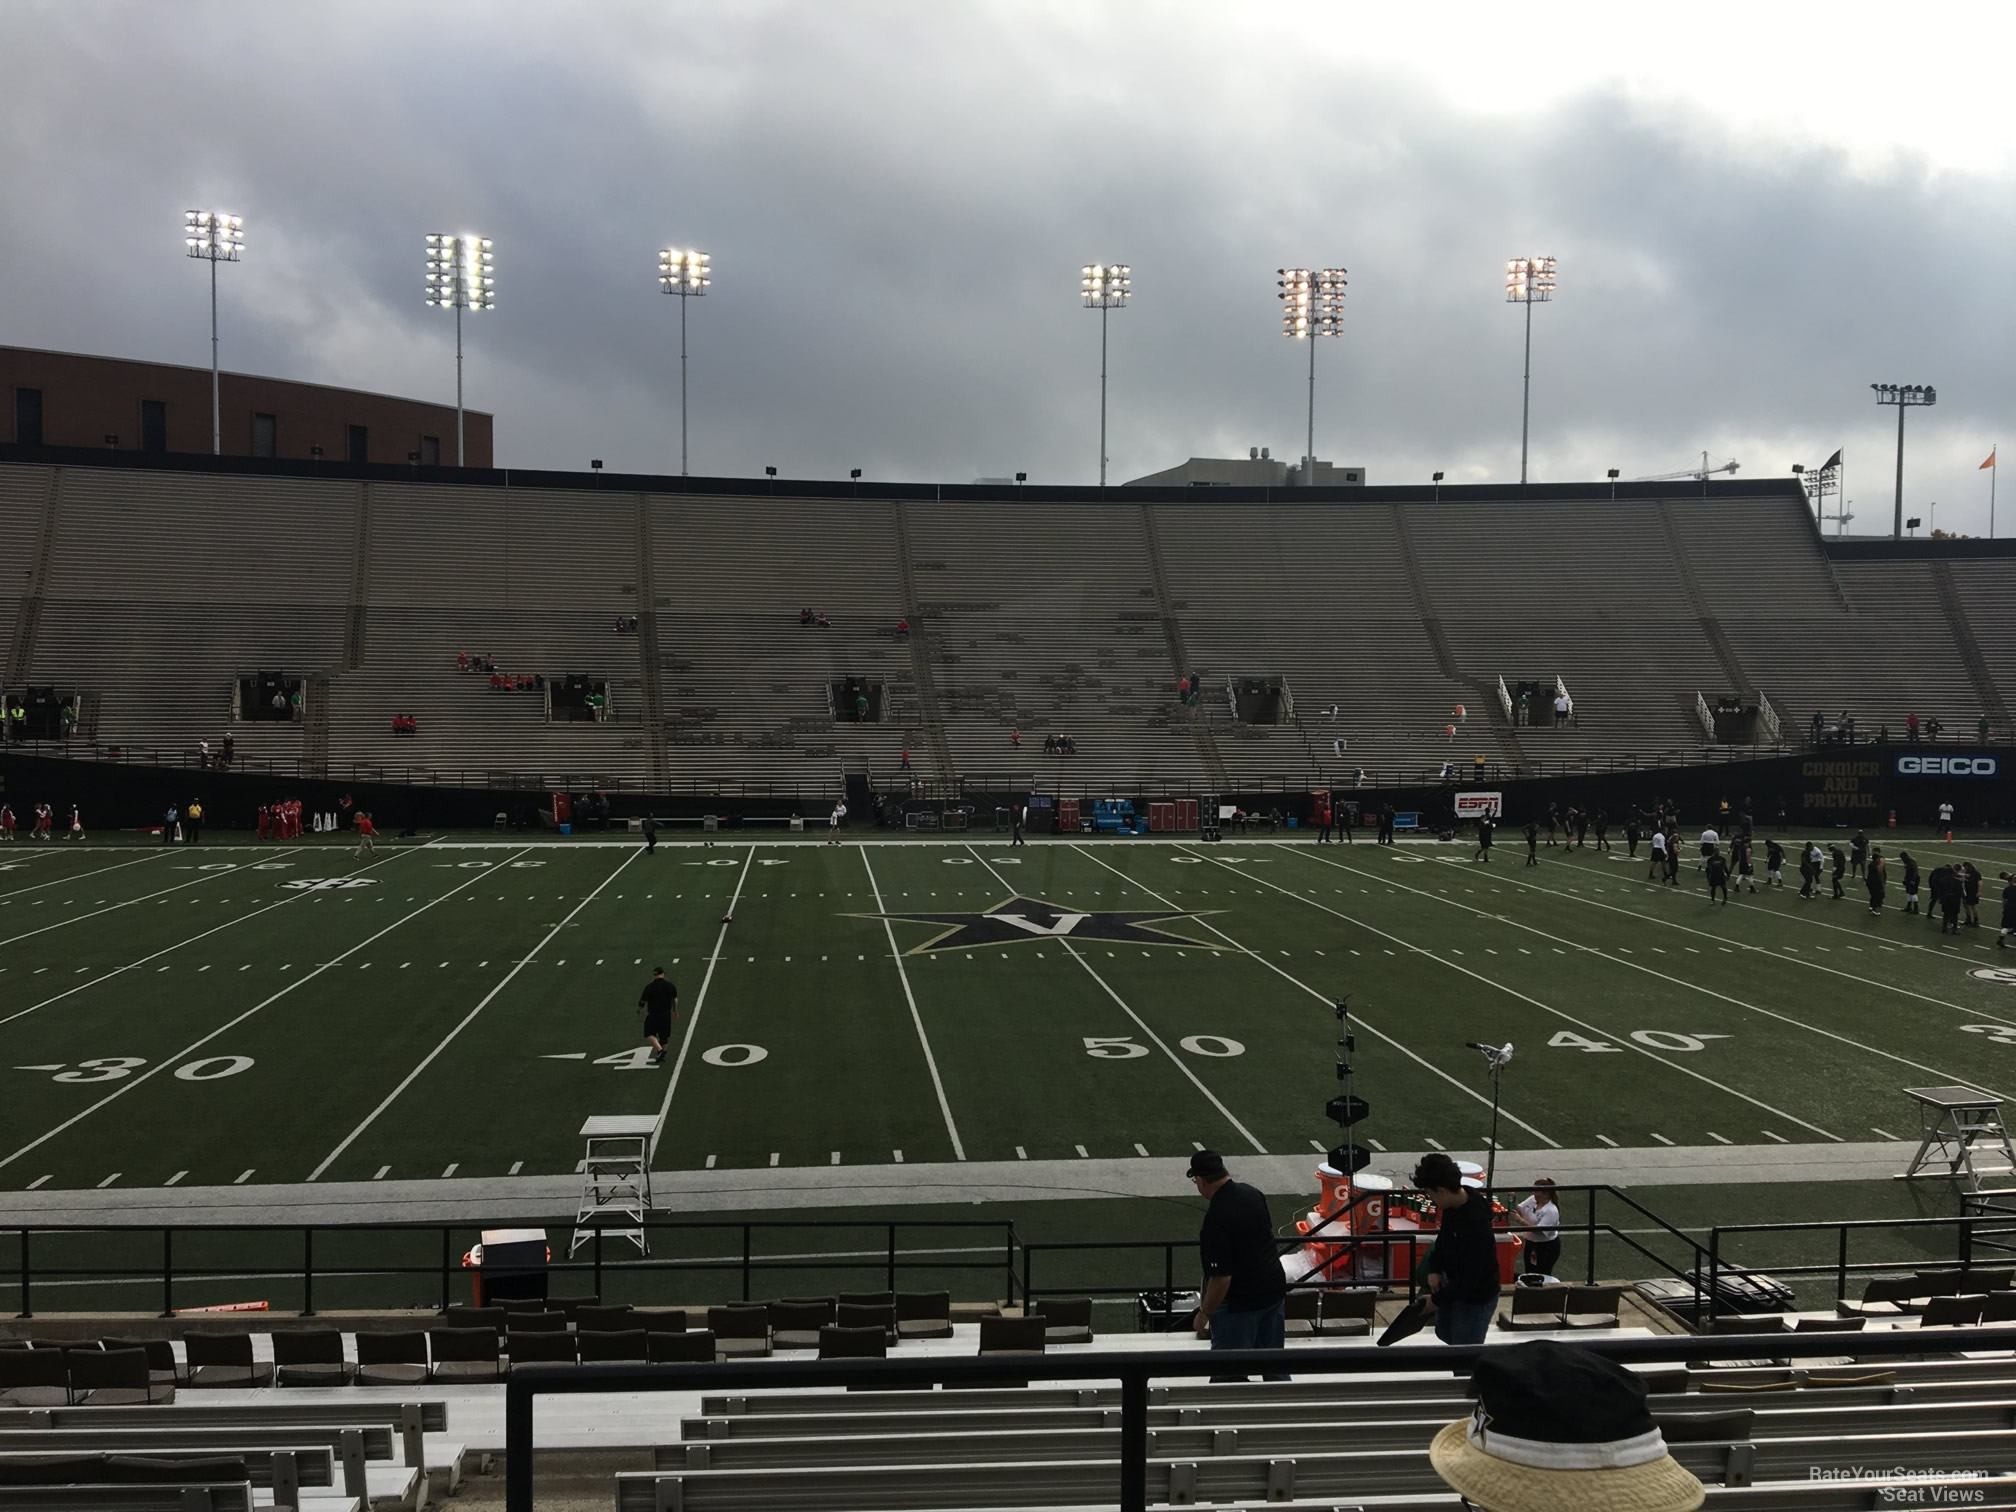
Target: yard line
[(80, 876), (916, 1018), (183, 1054), (37, 1182), (516, 1167), (1125, 1007), (1779, 1137), (217, 929), (1884, 1132), (1081, 1152), (700, 1001), (1020, 1154), (108, 1181), (1141, 1150), (453, 1167), (172, 1180), (1608, 1140), (243, 1177), (1437, 1143), (1662, 1139), (469, 1017), (115, 907), (1329, 1001), (1718, 1138), (381, 1173)]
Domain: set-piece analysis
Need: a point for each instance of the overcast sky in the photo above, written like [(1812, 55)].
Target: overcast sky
[(1759, 210)]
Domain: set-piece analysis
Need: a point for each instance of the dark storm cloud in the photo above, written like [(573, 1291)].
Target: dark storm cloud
[(897, 199)]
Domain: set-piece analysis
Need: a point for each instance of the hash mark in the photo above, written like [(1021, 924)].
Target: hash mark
[(1141, 1150), (1081, 1152), (36, 1182), (1662, 1139), (381, 1173), (243, 1177), (1779, 1137), (516, 1167), (1884, 1132), (1608, 1140)]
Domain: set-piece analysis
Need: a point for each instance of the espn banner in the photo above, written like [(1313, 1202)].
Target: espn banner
[(1471, 805)]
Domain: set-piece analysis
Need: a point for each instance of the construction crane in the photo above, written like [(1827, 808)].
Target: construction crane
[(1700, 474)]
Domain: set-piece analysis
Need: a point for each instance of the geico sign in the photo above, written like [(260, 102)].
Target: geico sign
[(1946, 766)]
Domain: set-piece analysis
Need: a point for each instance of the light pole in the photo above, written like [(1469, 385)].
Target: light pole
[(1105, 287), (1903, 396), (1312, 305), (215, 237), (458, 278), (684, 274), (1528, 281)]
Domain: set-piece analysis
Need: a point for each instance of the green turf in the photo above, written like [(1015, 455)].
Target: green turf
[(199, 1026)]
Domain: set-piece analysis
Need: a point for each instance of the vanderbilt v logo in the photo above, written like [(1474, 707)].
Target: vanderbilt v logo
[(1056, 925), (1019, 921)]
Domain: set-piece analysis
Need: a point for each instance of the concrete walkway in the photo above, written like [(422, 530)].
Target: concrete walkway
[(500, 1199)]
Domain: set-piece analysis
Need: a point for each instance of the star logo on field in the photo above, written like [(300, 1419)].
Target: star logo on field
[(1024, 921)]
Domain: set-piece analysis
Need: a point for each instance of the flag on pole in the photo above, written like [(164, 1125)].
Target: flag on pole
[(1989, 463), (1833, 461)]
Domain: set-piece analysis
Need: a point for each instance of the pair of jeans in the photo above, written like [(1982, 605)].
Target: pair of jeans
[(1464, 1322), (1249, 1328)]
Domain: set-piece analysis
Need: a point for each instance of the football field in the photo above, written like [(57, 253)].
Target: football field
[(224, 1014)]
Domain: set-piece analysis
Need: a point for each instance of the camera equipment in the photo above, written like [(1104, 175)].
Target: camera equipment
[(1497, 1057)]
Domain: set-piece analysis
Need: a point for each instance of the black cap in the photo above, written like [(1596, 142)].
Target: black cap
[(1208, 1164)]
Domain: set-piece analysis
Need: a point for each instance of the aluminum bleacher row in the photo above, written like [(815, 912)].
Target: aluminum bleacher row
[(152, 590)]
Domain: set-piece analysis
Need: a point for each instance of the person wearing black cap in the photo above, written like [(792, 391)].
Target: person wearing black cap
[(1241, 1303), (1462, 1277), (1558, 1428)]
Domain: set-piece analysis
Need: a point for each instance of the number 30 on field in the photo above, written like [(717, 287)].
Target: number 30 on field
[(106, 1068)]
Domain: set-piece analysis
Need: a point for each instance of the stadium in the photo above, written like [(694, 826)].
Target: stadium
[(1249, 984)]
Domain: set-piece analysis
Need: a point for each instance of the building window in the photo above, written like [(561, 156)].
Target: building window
[(154, 425), (360, 444), (430, 451), (265, 436), (28, 416)]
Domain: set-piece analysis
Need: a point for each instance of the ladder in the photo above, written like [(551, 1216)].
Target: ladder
[(615, 1180)]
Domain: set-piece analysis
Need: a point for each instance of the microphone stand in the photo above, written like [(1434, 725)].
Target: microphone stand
[(1496, 1057)]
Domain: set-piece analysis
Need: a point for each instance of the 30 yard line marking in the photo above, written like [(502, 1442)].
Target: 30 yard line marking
[(470, 1017), (188, 1050), (700, 1002), (916, 1018), (1125, 1007)]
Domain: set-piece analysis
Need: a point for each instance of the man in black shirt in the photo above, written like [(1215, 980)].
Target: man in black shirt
[(658, 999), (650, 834), (1241, 1303), (1462, 1282)]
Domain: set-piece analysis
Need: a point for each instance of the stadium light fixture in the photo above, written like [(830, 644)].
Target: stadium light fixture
[(1612, 476), (1528, 281), (459, 278), (687, 274), (1904, 396), (214, 237), (1105, 287), (1436, 479), (1312, 305)]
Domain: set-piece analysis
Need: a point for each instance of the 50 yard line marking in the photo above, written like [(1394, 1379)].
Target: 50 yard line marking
[(916, 1018), (699, 1002), (1326, 1000), (1174, 1060), (188, 1050), (469, 1017)]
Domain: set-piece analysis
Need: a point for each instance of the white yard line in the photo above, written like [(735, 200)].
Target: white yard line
[(166, 949), (1624, 1041), (115, 907), (699, 1002), (95, 871), (916, 1018), (1328, 1002), (186, 1051), (1104, 986), (469, 1017)]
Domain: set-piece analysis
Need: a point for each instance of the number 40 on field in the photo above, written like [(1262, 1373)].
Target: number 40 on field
[(1651, 1039)]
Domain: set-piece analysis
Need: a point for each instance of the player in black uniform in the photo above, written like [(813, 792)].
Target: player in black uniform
[(1532, 843), (659, 999), (1602, 829), (1874, 878), (1910, 881), (1746, 870), (1774, 862), (1718, 878), (1484, 829), (1840, 869), (1858, 854)]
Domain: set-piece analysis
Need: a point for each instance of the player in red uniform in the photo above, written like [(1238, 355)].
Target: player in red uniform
[(6, 822), (43, 816)]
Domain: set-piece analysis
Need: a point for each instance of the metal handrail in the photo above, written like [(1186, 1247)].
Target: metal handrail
[(1965, 1226), (1133, 1370)]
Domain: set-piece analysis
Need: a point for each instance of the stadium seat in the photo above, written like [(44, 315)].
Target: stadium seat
[(740, 1332), (1592, 1306), (1952, 1312), (1706, 1427), (33, 1378), (1348, 1312), (1970, 1282), (1884, 1297), (114, 1378), (392, 1359), (1021, 1336), (310, 1357), (162, 1368), (2000, 1308), (535, 1322), (464, 1354), (1299, 1311), (1067, 1320), (1829, 1325), (796, 1324), (543, 1349), (924, 1315), (567, 1307), (612, 1347), (213, 1360), (515, 1305), (660, 1319), (866, 1299), (692, 1346), (852, 1343), (1536, 1307), (475, 1317), (880, 1315), (599, 1317)]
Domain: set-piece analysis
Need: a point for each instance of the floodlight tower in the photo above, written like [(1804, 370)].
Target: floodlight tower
[(1903, 396), (1312, 305), (1528, 281), (685, 274), (1105, 287), (215, 237), (458, 278)]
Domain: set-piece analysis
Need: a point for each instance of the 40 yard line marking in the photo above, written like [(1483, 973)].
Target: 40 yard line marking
[(1327, 1001), (700, 1002), (916, 1018), (468, 1018), (188, 1050)]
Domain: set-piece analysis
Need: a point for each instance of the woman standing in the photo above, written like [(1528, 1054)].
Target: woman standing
[(1540, 1216)]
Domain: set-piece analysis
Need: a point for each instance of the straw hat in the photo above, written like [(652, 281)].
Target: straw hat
[(1559, 1428)]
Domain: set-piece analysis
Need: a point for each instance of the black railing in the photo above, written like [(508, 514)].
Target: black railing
[(603, 1257), (1987, 1228), (1134, 1370)]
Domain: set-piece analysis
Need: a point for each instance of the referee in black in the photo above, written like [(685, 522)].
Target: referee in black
[(659, 999)]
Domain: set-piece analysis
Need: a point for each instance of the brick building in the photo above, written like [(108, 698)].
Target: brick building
[(70, 399)]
